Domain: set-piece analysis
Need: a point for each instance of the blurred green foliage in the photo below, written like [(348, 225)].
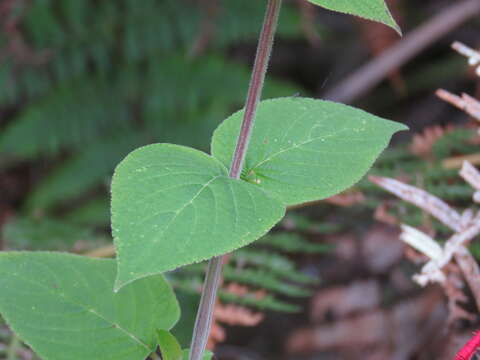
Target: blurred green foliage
[(107, 77)]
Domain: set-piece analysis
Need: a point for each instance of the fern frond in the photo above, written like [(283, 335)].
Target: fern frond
[(264, 280), (73, 116), (93, 213), (292, 243), (260, 269), (451, 191), (27, 233), (268, 302), (271, 262), (78, 174), (455, 141), (193, 284), (122, 33)]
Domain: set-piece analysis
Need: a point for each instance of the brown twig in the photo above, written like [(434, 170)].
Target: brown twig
[(424, 200), (102, 252), (376, 70), (471, 175), (472, 55), (207, 27), (466, 227), (470, 271), (456, 162), (465, 103)]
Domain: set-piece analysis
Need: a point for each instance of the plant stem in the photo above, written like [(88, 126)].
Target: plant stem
[(213, 277), (262, 58)]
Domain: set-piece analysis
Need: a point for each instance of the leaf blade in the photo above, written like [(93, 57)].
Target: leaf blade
[(64, 307), (304, 149), (173, 206)]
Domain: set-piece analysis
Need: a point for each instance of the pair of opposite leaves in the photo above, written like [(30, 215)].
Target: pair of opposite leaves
[(172, 206)]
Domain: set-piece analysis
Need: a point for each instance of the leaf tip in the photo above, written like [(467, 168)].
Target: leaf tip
[(393, 24), (400, 127), (374, 10)]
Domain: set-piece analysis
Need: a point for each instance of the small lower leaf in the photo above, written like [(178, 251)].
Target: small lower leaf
[(173, 206), (64, 307), (169, 346), (207, 356)]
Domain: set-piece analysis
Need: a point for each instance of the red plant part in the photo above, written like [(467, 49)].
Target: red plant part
[(469, 349)]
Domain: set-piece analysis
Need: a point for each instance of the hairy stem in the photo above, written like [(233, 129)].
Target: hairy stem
[(213, 277), (262, 58)]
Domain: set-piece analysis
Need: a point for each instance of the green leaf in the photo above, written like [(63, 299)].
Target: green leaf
[(304, 149), (375, 10), (208, 355), (169, 346), (64, 307), (173, 206)]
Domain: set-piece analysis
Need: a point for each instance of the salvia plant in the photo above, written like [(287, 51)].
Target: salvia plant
[(173, 205)]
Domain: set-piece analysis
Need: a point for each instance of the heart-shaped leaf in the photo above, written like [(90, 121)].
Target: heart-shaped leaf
[(375, 10), (172, 206), (304, 149), (64, 307)]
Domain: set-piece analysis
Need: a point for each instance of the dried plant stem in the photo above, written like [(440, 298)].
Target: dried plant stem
[(203, 321), (471, 272), (464, 102), (416, 41)]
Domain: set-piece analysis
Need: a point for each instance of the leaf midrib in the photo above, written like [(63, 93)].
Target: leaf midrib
[(179, 211), (293, 147)]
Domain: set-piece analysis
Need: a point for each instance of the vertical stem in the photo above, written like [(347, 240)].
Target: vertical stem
[(262, 58), (203, 322)]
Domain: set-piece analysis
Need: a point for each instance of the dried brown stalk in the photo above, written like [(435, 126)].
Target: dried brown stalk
[(424, 200), (471, 175), (456, 162), (472, 55), (465, 103), (465, 226), (470, 270), (413, 43)]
